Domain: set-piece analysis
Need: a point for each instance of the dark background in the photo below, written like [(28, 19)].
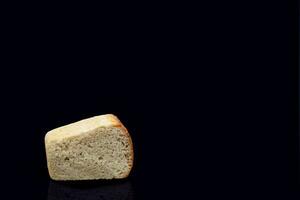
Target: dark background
[(209, 93)]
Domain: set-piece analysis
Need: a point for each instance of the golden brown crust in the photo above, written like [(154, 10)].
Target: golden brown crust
[(117, 123)]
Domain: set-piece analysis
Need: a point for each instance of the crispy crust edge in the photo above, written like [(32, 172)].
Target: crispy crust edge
[(118, 124)]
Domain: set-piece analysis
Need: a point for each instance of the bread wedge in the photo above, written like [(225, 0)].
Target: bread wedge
[(99, 147)]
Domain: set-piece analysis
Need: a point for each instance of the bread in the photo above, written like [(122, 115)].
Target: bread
[(99, 147)]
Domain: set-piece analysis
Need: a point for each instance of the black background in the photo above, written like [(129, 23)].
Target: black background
[(209, 93)]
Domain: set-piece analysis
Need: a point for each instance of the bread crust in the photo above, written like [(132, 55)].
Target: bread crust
[(117, 123)]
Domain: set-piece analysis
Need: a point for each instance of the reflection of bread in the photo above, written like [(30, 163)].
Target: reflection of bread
[(95, 148), (69, 191)]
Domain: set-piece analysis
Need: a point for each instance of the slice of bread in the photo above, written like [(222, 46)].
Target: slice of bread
[(95, 148)]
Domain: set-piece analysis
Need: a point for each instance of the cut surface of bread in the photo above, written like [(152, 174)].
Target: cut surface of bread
[(99, 147)]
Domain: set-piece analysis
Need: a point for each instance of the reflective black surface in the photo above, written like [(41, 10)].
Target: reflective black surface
[(90, 191)]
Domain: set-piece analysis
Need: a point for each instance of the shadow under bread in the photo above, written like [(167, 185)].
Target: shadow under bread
[(90, 190)]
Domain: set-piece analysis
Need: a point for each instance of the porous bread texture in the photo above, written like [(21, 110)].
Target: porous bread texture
[(99, 147)]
